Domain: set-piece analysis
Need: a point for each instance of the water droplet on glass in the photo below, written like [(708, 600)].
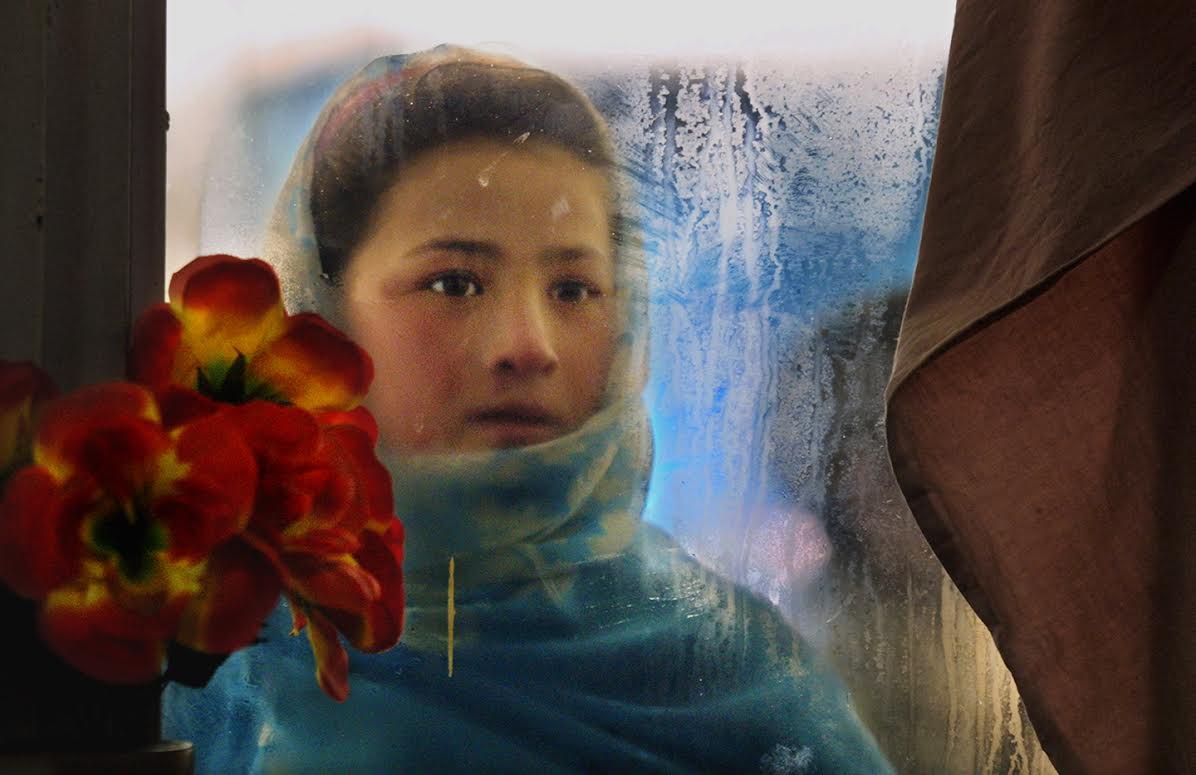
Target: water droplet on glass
[(560, 208)]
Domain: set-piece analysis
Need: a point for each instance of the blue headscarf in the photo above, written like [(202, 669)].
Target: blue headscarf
[(583, 639)]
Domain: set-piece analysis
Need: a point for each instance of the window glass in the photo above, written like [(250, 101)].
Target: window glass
[(776, 168)]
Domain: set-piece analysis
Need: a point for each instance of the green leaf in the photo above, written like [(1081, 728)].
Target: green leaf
[(204, 385), (233, 389)]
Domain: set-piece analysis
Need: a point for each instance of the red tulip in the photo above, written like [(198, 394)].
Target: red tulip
[(24, 388), (110, 527), (323, 531), (226, 334)]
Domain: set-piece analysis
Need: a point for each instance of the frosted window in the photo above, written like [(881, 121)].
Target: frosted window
[(779, 197)]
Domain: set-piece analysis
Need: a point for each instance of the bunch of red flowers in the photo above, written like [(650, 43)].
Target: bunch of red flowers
[(235, 467)]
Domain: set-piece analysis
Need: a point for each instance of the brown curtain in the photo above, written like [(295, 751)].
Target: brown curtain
[(1042, 407)]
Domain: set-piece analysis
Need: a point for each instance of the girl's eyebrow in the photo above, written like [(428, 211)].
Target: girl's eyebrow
[(569, 254), (467, 247), (484, 249)]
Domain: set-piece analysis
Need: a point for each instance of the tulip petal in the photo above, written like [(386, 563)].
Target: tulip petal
[(228, 306), (330, 581), (109, 430), (24, 388), (298, 618), (330, 494), (179, 280), (278, 508), (39, 526), (354, 451), (158, 357), (381, 624), (180, 405), (323, 541), (240, 590), (360, 418), (277, 435), (315, 366), (206, 488), (85, 626), (23, 382), (332, 663)]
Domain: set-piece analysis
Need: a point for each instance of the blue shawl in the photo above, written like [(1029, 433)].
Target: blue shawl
[(584, 639)]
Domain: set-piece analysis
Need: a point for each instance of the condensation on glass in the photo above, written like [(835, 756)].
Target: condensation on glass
[(779, 204)]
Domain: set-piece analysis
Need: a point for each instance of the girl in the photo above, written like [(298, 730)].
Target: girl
[(460, 215)]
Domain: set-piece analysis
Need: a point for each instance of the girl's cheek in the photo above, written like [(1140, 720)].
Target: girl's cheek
[(590, 355)]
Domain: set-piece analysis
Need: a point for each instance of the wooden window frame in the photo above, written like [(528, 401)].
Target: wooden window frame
[(82, 180)]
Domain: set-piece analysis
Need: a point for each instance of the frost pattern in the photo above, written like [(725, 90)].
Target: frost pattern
[(784, 760), (770, 200), (780, 208)]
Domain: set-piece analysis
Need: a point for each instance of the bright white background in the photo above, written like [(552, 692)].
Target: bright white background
[(206, 33)]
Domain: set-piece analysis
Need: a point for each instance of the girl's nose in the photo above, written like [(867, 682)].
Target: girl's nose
[(520, 338)]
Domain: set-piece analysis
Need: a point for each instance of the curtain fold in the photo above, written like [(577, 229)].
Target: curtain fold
[(1042, 408)]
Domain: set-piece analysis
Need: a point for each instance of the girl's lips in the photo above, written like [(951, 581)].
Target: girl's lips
[(510, 426), (518, 414)]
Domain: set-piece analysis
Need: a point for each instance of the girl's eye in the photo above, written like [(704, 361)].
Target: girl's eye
[(573, 291), (456, 284)]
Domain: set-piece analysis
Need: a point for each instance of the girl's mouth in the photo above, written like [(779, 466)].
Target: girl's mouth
[(516, 424)]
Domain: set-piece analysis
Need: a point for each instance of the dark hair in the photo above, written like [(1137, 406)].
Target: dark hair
[(371, 135)]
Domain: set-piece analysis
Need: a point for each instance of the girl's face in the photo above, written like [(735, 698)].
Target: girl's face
[(484, 290)]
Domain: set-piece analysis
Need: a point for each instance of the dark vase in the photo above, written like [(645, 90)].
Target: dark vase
[(54, 720)]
